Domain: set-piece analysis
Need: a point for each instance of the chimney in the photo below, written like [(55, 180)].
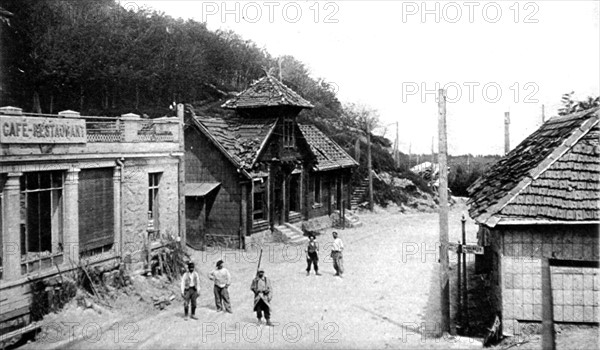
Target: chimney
[(506, 132)]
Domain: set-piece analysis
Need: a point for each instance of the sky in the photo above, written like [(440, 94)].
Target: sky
[(491, 57)]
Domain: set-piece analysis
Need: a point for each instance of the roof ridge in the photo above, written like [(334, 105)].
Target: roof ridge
[(577, 134), (574, 115), (267, 92)]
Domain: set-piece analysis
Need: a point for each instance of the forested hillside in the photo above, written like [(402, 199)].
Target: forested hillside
[(98, 58)]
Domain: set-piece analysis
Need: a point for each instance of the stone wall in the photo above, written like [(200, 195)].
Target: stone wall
[(135, 204), (517, 253)]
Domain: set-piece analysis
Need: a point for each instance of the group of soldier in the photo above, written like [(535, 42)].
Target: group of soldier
[(261, 286)]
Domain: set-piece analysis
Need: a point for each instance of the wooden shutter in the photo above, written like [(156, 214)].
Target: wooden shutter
[(96, 208)]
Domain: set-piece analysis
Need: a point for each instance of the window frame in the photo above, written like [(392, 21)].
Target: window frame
[(317, 185), (154, 181), (289, 137), (259, 191), (56, 217)]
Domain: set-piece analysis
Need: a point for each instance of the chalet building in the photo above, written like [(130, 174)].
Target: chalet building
[(260, 169), (84, 190), (542, 200)]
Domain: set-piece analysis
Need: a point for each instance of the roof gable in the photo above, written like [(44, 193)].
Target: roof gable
[(267, 92), (329, 154), (527, 184), (241, 140)]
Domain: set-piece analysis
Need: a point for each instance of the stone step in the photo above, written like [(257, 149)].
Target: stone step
[(298, 240), (290, 234)]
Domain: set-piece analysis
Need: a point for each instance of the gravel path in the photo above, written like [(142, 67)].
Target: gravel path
[(387, 298)]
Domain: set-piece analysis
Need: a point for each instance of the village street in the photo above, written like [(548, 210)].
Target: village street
[(384, 300)]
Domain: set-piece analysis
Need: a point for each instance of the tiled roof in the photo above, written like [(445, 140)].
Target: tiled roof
[(329, 154), (240, 139), (553, 175), (267, 92)]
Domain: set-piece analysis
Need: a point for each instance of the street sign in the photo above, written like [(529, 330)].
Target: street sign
[(465, 248), (454, 247), (472, 249)]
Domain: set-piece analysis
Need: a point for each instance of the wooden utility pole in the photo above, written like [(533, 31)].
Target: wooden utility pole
[(357, 150), (397, 152), (409, 156), (543, 114), (547, 307), (181, 178), (432, 152), (370, 167), (443, 194), (506, 132), (279, 61)]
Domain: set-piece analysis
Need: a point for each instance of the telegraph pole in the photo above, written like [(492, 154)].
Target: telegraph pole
[(397, 155), (443, 194), (543, 114), (506, 132), (370, 167)]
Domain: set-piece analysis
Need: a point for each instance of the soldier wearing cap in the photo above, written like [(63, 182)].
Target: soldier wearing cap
[(189, 290), (222, 280), (262, 296)]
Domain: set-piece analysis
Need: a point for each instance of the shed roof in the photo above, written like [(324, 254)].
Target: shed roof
[(552, 176), (267, 92), (329, 154), (200, 189)]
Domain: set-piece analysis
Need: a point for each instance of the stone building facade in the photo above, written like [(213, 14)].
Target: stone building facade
[(90, 190), (541, 201)]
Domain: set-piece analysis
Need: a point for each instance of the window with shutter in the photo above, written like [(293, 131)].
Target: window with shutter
[(96, 210)]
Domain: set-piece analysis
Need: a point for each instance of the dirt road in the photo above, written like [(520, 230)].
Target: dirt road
[(386, 299)]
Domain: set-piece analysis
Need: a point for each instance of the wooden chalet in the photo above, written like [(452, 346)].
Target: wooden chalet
[(259, 169), (540, 201)]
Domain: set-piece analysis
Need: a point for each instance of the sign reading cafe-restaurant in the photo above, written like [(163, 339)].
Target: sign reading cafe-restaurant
[(15, 129)]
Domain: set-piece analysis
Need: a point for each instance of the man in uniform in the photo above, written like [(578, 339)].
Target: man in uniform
[(222, 280), (336, 255), (262, 296), (189, 290)]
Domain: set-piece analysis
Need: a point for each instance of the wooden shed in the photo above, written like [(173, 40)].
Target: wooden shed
[(540, 201)]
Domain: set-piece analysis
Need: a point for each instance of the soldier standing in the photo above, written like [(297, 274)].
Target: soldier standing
[(262, 296)]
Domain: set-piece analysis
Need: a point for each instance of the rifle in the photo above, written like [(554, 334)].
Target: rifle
[(259, 260)]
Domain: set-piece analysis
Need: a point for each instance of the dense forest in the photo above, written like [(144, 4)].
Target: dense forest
[(98, 58)]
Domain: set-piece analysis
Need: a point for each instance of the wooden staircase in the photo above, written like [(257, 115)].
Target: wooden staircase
[(359, 193)]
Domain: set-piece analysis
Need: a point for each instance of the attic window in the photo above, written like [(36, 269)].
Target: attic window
[(288, 133)]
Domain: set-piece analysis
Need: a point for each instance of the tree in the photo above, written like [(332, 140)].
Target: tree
[(569, 105)]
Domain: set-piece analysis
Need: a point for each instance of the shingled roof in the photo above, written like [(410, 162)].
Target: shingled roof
[(267, 92), (329, 154), (239, 139), (553, 176)]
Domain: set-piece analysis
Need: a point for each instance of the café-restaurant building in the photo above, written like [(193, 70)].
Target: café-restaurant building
[(81, 190)]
